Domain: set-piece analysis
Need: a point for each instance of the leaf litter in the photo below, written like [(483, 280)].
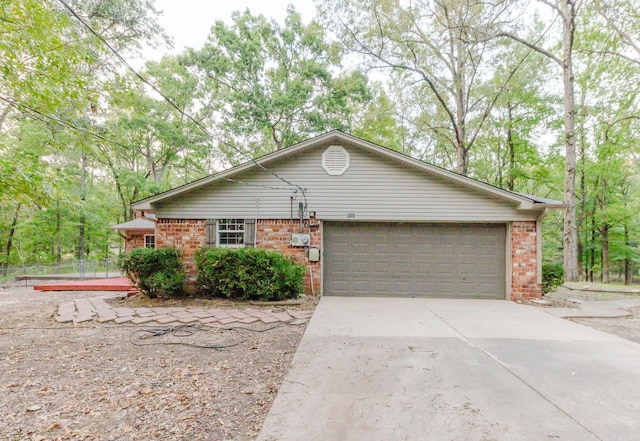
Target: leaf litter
[(88, 382)]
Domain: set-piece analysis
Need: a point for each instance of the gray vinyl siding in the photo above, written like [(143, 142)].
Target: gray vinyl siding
[(372, 189)]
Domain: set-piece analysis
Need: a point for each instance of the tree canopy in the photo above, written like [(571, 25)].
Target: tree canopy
[(269, 86), (536, 97)]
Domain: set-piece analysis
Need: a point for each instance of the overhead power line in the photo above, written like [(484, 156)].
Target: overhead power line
[(172, 104), (42, 116), (26, 109)]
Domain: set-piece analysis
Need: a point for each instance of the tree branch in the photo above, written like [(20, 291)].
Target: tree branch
[(531, 46), (366, 50), (623, 35), (552, 6), (495, 98)]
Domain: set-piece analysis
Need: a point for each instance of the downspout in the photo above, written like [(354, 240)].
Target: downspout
[(255, 224), (124, 236), (509, 261), (144, 216)]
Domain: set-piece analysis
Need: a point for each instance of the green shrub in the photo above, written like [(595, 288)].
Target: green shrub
[(552, 276), (155, 271), (248, 273)]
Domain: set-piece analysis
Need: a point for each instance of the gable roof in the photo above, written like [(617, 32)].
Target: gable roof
[(523, 201)]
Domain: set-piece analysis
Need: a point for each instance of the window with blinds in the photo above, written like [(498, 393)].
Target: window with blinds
[(230, 232)]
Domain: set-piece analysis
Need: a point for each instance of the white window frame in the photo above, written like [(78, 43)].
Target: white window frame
[(236, 222), (146, 242)]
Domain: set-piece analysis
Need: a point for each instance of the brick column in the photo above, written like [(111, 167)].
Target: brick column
[(275, 234), (185, 235), (524, 261)]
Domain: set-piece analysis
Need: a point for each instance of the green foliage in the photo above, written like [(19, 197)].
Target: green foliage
[(271, 86), (262, 85), (378, 122), (248, 273), (55, 69), (552, 276), (159, 147), (156, 272)]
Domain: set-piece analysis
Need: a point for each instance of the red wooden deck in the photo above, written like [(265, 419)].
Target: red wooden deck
[(113, 284)]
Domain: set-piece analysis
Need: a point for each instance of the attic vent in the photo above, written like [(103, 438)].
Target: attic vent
[(335, 160)]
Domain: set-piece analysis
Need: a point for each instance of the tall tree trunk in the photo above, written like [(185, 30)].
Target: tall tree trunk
[(592, 253), (462, 154), (276, 139), (569, 235), (459, 84), (604, 235), (582, 264), (116, 180), (567, 12), (627, 262), (130, 211), (12, 231), (512, 152), (3, 115), (58, 232), (83, 196), (500, 164)]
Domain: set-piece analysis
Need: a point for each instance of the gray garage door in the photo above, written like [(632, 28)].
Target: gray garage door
[(421, 260)]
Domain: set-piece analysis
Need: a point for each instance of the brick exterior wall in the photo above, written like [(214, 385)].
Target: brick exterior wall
[(185, 235), (135, 239), (275, 234), (524, 261), (188, 235)]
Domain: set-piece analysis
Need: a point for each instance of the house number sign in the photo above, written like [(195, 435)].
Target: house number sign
[(351, 215)]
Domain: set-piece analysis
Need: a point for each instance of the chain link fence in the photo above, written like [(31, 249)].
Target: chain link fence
[(77, 270)]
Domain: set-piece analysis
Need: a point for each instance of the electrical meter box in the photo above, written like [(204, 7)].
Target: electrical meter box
[(301, 239), (314, 254)]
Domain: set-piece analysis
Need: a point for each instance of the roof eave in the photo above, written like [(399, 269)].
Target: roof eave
[(141, 205), (131, 225), (523, 202), (146, 204)]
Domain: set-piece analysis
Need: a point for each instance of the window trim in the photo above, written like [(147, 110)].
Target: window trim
[(235, 221), (146, 242)]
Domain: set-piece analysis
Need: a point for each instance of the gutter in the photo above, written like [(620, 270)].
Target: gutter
[(551, 206), (144, 216)]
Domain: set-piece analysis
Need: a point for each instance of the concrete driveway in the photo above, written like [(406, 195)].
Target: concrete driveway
[(421, 369)]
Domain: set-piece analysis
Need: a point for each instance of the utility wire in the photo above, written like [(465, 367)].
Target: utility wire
[(172, 104), (42, 116), (25, 108)]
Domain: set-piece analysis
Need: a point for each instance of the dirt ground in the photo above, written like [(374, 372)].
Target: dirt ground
[(89, 382), (625, 327)]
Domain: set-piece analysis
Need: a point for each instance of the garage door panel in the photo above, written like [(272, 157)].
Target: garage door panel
[(430, 260)]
